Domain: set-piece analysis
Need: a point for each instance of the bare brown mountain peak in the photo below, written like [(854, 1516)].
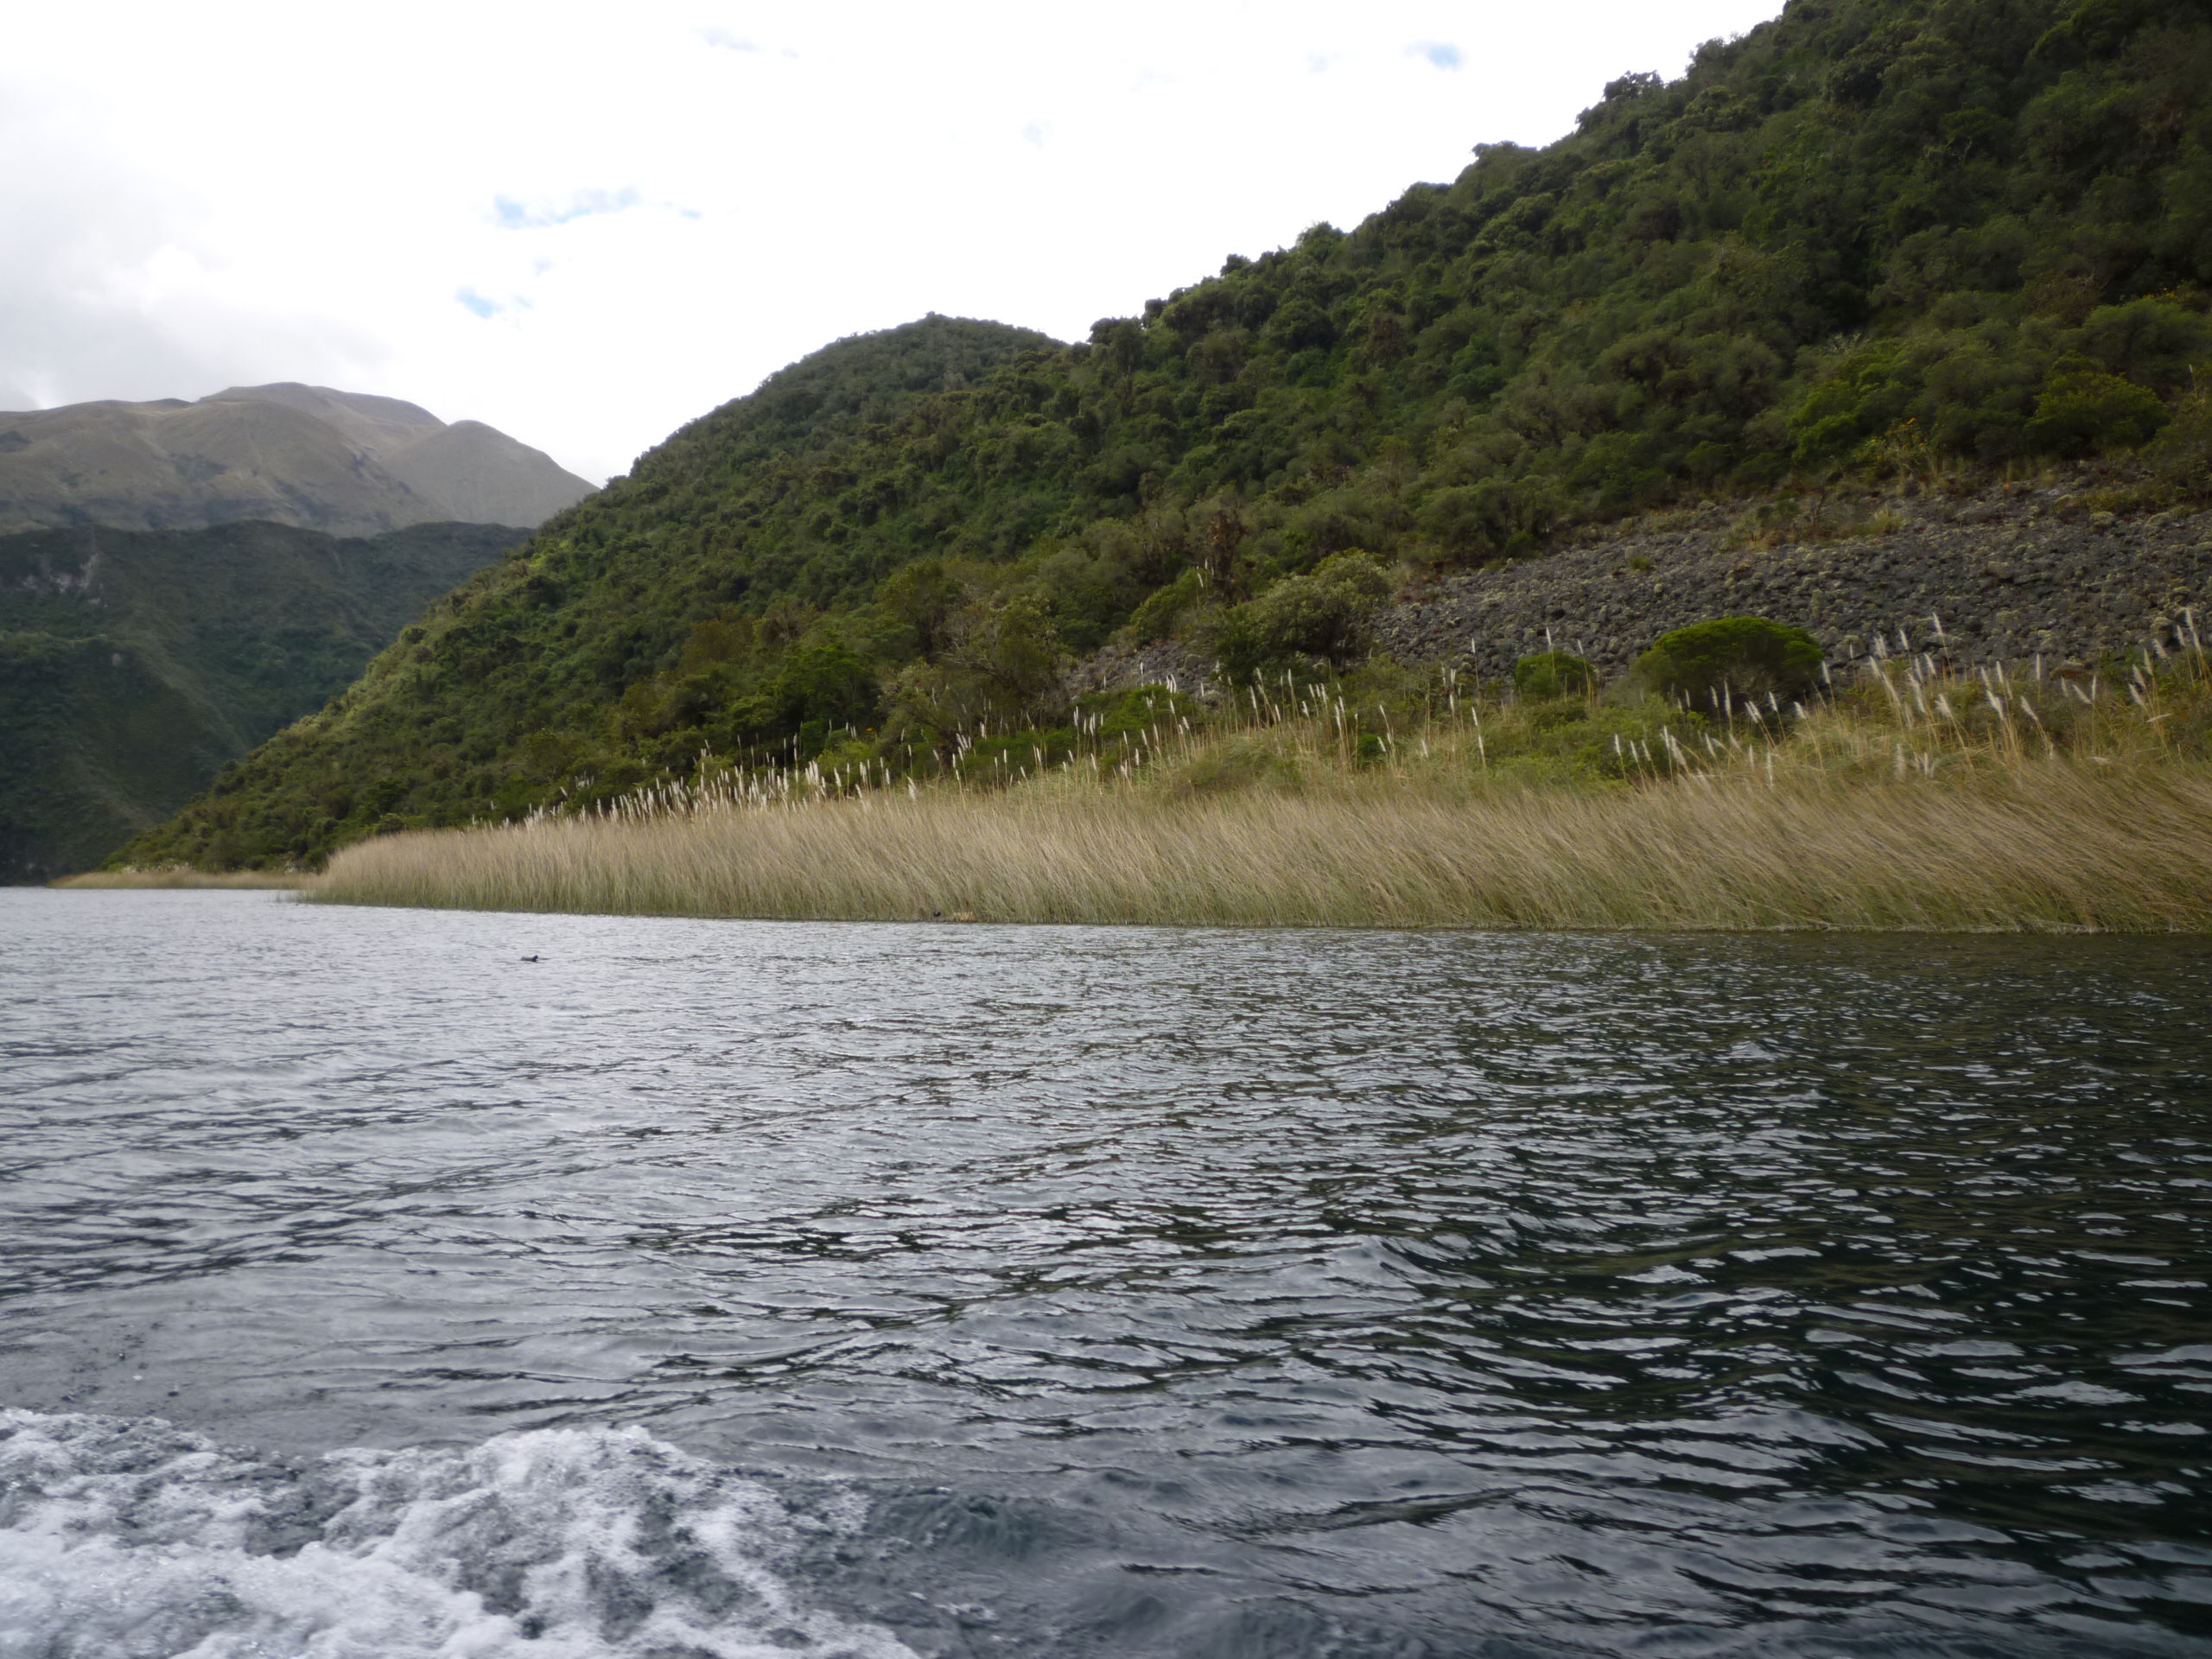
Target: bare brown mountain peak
[(378, 424), (480, 472), (343, 463)]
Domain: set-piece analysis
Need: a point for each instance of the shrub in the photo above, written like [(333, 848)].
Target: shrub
[(2182, 454), (1232, 768), (1157, 617), (2082, 408), (1746, 656), (1554, 674), (1342, 520), (1138, 708), (1358, 571), (1010, 654), (1478, 521), (1322, 615)]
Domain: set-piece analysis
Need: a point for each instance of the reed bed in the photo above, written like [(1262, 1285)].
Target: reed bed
[(2048, 847), (184, 876), (1911, 797)]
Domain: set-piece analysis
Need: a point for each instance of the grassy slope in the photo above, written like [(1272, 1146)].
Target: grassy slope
[(1873, 233), (133, 664)]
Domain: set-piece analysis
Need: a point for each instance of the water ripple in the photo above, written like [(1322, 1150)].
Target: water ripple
[(1164, 1292)]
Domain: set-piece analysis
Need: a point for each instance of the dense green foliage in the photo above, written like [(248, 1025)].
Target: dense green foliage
[(1319, 619), (1554, 674), (1884, 235), (1732, 659), (134, 663)]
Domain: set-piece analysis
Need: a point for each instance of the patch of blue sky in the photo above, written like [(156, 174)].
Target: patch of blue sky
[(476, 303), (1442, 53), (514, 215)]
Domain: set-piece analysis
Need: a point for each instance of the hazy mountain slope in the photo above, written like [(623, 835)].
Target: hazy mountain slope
[(1876, 237), (376, 426), (185, 466), (481, 476), (342, 463), (134, 663)]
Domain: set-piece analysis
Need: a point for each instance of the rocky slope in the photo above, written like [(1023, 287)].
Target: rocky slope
[(2003, 577), (2009, 574), (344, 463)]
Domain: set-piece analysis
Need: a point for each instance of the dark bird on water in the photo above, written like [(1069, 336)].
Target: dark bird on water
[(529, 958)]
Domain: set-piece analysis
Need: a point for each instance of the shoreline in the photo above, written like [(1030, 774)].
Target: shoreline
[(183, 877), (2057, 849), (1910, 795)]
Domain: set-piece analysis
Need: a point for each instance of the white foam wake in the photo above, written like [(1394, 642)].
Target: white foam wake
[(123, 1539)]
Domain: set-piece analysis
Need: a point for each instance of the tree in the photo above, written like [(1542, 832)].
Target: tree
[(1010, 653), (1739, 659)]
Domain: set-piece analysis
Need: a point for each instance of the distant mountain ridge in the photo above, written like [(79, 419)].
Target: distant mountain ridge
[(341, 462)]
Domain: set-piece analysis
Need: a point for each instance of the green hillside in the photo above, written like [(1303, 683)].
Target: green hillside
[(134, 663), (1872, 236)]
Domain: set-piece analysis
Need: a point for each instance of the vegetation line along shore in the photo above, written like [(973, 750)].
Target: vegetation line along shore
[(1877, 272), (183, 875), (1911, 797)]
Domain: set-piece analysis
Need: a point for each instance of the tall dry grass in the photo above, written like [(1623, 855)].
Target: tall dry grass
[(182, 876), (2050, 847), (1913, 799)]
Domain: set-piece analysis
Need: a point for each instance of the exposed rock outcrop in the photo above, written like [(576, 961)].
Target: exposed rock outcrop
[(2008, 575)]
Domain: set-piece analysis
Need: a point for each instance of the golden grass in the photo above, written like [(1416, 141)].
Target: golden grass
[(1915, 798), (2046, 846), (183, 875)]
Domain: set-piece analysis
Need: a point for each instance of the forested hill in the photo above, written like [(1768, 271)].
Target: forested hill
[(134, 663), (1871, 237)]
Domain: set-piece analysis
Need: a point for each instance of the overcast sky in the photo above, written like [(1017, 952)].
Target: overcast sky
[(587, 225)]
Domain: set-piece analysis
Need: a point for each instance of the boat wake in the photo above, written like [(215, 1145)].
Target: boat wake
[(132, 1539)]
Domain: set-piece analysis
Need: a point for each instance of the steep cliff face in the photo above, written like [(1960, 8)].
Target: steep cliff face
[(344, 463)]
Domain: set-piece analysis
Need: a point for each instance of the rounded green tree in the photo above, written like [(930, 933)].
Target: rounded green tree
[(1747, 656), (1551, 674)]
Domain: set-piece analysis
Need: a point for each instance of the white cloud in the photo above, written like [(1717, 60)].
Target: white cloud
[(588, 226)]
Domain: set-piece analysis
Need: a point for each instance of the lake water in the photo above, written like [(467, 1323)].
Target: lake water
[(710, 1289)]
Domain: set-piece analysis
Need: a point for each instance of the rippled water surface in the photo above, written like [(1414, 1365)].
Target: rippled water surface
[(717, 1289)]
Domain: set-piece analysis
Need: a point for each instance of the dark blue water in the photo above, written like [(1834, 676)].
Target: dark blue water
[(721, 1289)]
